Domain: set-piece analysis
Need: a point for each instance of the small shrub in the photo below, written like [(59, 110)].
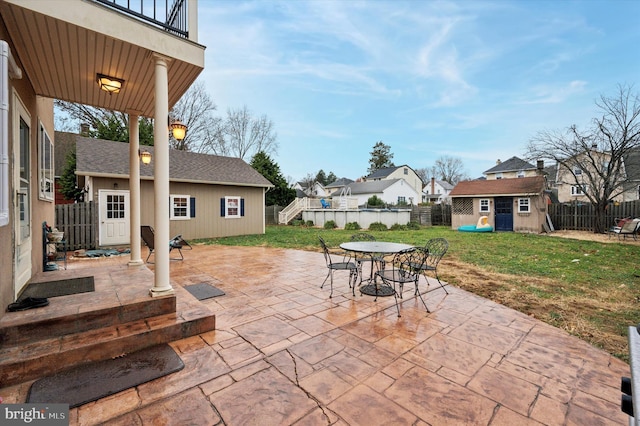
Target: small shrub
[(414, 226), (398, 227), (330, 224), (374, 201), (309, 224), (352, 226), (297, 222), (378, 226)]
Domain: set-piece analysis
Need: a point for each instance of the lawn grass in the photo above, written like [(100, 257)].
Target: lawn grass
[(588, 288)]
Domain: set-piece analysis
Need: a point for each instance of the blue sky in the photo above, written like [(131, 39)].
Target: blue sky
[(474, 80)]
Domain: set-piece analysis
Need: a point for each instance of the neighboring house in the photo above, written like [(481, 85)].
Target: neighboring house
[(334, 189), (401, 172), (571, 185), (92, 53), (510, 204), (514, 167), (391, 191), (314, 190), (437, 192), (209, 196)]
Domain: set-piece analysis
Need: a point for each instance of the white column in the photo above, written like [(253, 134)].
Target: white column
[(134, 190), (161, 285)]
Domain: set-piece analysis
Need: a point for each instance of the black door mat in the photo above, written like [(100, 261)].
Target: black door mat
[(204, 291), (90, 382)]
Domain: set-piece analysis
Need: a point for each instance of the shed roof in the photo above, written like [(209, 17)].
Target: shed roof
[(498, 187), (98, 157)]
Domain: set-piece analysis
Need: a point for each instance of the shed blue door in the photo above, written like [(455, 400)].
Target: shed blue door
[(504, 214)]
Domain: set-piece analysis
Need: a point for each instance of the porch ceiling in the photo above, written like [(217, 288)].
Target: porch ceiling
[(61, 52)]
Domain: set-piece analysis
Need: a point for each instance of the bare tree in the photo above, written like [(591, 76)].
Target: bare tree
[(245, 135), (593, 159), (195, 109), (449, 169), (423, 173)]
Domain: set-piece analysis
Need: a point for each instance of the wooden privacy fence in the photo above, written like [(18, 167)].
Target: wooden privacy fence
[(78, 222), (581, 216)]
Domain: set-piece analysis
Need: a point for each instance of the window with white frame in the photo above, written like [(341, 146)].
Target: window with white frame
[(180, 207), (232, 207), (520, 173), (524, 205), (402, 200), (577, 171), (484, 205), (578, 189), (45, 165)]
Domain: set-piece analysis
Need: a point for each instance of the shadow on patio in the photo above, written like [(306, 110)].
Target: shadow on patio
[(284, 353)]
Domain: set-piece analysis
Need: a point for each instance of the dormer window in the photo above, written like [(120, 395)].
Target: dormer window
[(520, 173), (499, 175)]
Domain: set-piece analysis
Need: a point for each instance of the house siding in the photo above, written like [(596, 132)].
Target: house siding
[(531, 222), (207, 222), (40, 111)]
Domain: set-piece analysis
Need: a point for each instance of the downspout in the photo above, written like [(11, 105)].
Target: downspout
[(8, 67)]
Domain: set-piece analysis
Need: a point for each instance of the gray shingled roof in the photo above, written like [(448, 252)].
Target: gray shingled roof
[(97, 157), (371, 187), (381, 173), (339, 182), (513, 164)]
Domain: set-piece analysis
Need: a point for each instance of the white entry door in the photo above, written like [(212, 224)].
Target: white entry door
[(22, 203), (114, 217)]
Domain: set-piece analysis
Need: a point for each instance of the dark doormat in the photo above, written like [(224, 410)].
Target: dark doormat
[(85, 383), (204, 291)]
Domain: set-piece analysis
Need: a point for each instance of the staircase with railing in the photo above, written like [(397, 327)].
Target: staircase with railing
[(292, 210)]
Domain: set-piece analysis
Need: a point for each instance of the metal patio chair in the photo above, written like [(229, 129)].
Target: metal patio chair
[(345, 265), (435, 249), (176, 243), (403, 268)]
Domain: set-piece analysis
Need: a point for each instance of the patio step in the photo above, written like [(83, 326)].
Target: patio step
[(28, 360)]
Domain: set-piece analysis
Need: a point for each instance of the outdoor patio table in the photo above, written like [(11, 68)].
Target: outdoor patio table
[(373, 248)]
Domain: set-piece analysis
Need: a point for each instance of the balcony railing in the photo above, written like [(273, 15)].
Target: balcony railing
[(170, 17)]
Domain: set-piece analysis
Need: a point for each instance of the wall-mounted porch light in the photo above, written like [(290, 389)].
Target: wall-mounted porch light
[(109, 84), (178, 129), (145, 156)]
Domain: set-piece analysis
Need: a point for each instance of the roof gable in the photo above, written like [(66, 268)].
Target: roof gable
[(98, 157), (521, 186)]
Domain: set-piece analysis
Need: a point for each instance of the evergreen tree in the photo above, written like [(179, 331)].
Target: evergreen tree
[(68, 183), (331, 178), (380, 157), (281, 195)]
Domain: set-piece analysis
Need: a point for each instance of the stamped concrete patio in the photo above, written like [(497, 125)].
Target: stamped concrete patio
[(284, 353)]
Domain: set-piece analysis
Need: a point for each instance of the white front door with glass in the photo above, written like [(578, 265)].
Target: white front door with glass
[(114, 218), (22, 197)]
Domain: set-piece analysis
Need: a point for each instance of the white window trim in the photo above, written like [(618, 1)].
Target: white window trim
[(45, 166), (574, 189), (527, 205), (227, 207), (484, 209), (499, 175), (172, 215)]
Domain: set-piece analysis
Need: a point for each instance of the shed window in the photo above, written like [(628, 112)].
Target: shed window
[(180, 207), (484, 205), (524, 205), (231, 207)]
